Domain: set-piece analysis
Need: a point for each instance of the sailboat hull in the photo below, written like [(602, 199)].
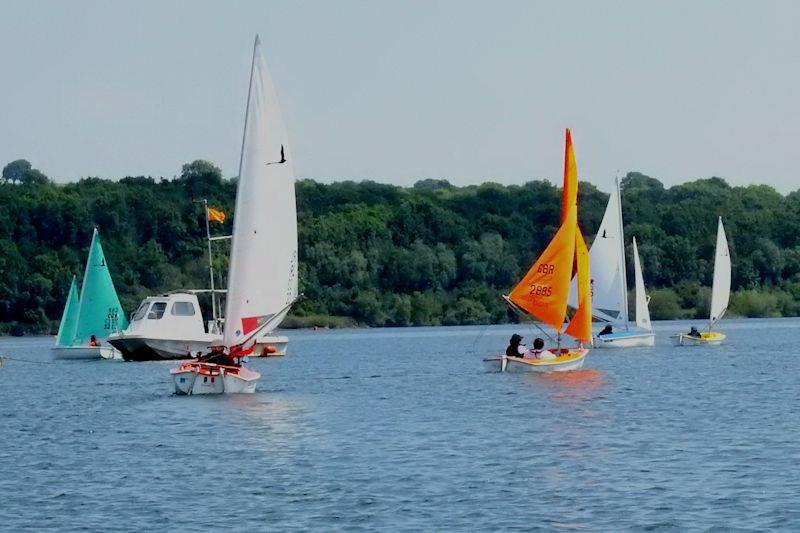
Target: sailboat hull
[(569, 360), (85, 352), (625, 339), (207, 378), (706, 338)]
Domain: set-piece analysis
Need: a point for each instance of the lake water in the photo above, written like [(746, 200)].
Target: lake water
[(402, 429)]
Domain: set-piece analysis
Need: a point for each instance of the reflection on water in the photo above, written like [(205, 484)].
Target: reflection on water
[(570, 387)]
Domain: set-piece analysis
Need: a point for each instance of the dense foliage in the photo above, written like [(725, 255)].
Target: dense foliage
[(379, 254)]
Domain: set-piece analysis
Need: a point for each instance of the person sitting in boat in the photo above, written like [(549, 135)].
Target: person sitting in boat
[(608, 330), (515, 347), (93, 341), (538, 351), (693, 332), (217, 355)]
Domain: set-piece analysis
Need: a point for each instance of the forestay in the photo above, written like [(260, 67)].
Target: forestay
[(262, 278), (721, 288)]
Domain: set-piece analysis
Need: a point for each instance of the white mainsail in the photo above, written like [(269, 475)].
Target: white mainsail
[(642, 308), (607, 257), (262, 279), (721, 288)]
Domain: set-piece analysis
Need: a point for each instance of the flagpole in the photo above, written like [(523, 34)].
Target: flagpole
[(210, 264)]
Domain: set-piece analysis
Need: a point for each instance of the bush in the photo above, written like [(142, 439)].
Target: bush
[(754, 304), (666, 305)]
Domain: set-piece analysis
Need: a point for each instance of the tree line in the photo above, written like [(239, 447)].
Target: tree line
[(382, 255)]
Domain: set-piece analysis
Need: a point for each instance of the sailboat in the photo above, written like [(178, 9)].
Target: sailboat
[(543, 293), (262, 278), (96, 313), (720, 295), (610, 286)]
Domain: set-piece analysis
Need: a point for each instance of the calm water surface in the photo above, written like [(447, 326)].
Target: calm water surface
[(402, 429)]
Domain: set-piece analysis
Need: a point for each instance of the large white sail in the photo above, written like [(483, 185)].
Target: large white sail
[(607, 257), (262, 279), (642, 308), (721, 288)]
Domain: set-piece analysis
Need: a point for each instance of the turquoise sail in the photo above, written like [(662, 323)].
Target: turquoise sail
[(66, 330), (99, 311)]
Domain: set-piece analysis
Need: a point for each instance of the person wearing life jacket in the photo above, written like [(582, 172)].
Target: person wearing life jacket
[(93, 341), (538, 351), (515, 346), (693, 332), (218, 355)]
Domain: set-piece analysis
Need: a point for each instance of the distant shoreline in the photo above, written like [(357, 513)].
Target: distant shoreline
[(330, 322)]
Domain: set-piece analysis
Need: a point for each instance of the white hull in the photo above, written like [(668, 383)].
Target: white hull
[(147, 348), (189, 379), (85, 352), (626, 341), (574, 361), (180, 348)]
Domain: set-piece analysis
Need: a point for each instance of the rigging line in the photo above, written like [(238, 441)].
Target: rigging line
[(523, 314), (478, 337), (4, 358)]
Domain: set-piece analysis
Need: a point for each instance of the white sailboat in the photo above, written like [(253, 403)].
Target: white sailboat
[(90, 318), (262, 279), (610, 287), (720, 295)]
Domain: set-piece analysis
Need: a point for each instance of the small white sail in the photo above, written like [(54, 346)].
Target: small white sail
[(607, 257), (262, 279), (642, 309), (721, 288)]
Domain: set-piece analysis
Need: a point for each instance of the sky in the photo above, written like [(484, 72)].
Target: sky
[(398, 91)]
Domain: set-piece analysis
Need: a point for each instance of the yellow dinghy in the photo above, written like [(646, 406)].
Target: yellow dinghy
[(706, 338), (570, 359), (720, 296)]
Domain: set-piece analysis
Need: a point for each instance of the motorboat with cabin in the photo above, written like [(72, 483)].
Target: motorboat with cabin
[(171, 326)]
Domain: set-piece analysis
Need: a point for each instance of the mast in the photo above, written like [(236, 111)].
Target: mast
[(622, 255)]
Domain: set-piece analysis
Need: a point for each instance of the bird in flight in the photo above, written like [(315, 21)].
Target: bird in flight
[(282, 161)]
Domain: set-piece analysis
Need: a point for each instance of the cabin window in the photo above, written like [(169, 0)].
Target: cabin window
[(139, 314), (182, 309), (157, 311)]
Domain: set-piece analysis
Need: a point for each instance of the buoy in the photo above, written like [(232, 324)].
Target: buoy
[(268, 349)]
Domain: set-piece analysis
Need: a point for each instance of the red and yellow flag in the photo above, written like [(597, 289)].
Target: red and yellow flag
[(215, 215)]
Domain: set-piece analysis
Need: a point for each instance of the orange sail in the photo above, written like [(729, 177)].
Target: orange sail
[(580, 326), (544, 290), (569, 195)]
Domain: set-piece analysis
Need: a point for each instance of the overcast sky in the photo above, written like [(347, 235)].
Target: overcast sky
[(398, 91)]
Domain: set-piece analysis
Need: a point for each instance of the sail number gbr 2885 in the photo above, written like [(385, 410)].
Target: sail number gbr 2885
[(537, 289)]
